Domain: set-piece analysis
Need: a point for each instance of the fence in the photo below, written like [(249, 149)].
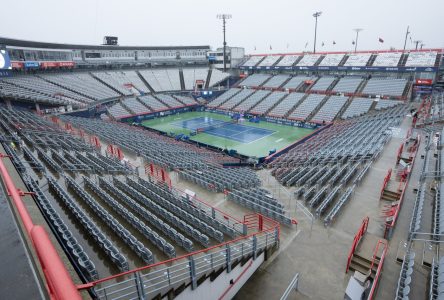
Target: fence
[(160, 278)]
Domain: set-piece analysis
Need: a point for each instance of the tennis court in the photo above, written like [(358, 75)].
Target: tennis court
[(224, 129), (251, 139)]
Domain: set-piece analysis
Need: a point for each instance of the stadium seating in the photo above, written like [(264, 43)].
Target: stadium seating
[(268, 102), (236, 99), (387, 59), (331, 60), (252, 100), (348, 84), (219, 179), (169, 100), (286, 105), (223, 98), (303, 110), (276, 81), (323, 83), (296, 81), (330, 109), (421, 59), (287, 61), (383, 104), (261, 201), (191, 75), (357, 59), (308, 60), (385, 86), (37, 85), (186, 100), (253, 61), (91, 228), (269, 61), (357, 107), (127, 237), (118, 111), (84, 84), (217, 76), (327, 168), (255, 80), (162, 79), (151, 102), (113, 80), (135, 106)]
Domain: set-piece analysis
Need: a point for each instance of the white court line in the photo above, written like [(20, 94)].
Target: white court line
[(279, 140)]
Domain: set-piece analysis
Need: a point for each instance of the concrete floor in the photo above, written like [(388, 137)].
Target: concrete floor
[(320, 256)]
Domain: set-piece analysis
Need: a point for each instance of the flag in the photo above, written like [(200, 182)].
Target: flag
[(381, 40), (306, 44), (271, 48), (322, 44), (334, 43), (353, 42), (254, 47)]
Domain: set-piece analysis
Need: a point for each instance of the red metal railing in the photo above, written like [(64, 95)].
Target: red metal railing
[(58, 281), (404, 181), (271, 227), (385, 182), (379, 270), (361, 231)]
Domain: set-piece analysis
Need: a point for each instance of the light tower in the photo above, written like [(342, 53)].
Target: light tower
[(406, 35), (316, 15), (358, 30), (224, 18)]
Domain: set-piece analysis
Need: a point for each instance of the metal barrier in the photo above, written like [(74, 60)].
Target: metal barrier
[(292, 286), (58, 281), (162, 277), (361, 231)]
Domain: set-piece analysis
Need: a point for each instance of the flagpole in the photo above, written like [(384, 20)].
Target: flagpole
[(357, 36)]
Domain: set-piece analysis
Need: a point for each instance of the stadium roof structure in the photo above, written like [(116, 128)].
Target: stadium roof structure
[(45, 45)]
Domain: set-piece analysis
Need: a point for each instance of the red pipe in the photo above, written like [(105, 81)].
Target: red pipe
[(58, 281)]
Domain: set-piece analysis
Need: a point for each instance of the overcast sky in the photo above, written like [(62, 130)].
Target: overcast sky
[(285, 25)]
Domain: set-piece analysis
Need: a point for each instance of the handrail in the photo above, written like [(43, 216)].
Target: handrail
[(188, 255), (58, 281), (379, 270), (395, 216), (293, 285), (385, 182), (361, 231)]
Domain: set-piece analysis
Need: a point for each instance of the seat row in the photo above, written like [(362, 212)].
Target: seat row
[(90, 226), (180, 217), (63, 232), (145, 254), (137, 224), (213, 224)]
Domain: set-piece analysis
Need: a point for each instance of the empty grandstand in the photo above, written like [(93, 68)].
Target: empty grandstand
[(164, 172)]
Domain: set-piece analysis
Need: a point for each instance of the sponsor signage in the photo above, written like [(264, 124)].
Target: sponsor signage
[(17, 65), (31, 64), (424, 81), (346, 68)]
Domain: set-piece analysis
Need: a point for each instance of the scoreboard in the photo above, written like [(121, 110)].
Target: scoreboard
[(5, 62)]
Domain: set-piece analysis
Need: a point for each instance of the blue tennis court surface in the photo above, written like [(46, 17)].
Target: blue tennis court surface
[(236, 132)]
